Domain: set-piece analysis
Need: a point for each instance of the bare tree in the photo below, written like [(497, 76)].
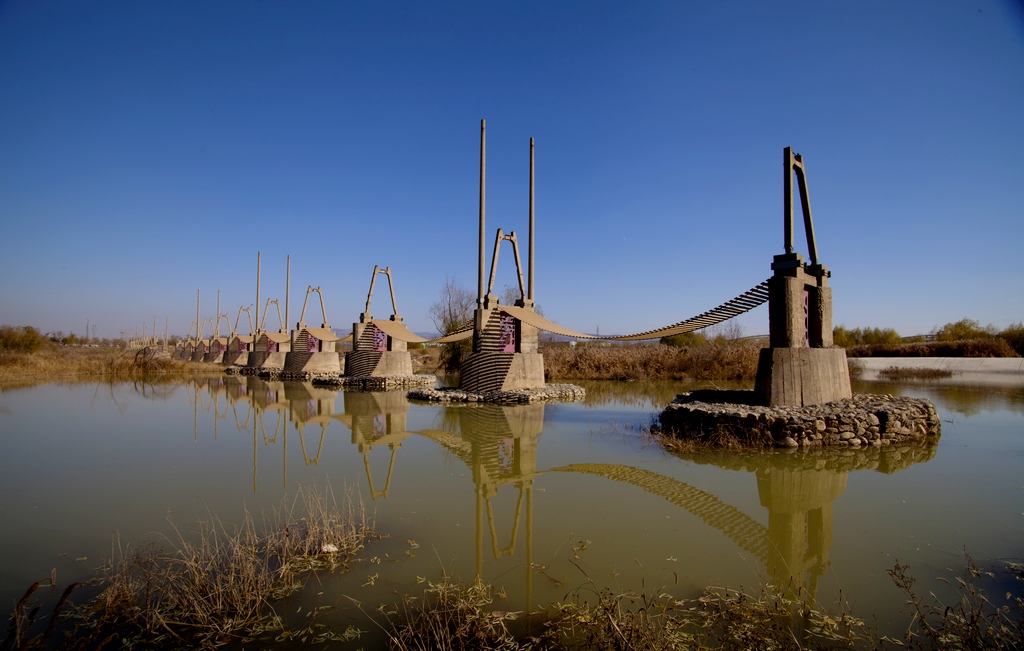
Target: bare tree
[(453, 311), (511, 294)]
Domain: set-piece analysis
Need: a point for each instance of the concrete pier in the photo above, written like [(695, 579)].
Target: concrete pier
[(802, 366)]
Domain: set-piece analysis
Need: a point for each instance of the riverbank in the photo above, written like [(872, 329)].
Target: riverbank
[(80, 364)]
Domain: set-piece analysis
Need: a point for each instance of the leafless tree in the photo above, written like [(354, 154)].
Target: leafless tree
[(453, 311)]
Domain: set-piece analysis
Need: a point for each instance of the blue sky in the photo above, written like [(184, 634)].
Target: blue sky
[(148, 149)]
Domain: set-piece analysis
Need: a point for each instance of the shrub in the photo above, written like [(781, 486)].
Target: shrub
[(1014, 336), (847, 338), (963, 329), (684, 339), (989, 347), (20, 339)]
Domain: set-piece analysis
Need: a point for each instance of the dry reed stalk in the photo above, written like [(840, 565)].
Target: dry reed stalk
[(728, 361), (450, 616), (53, 364), (896, 373)]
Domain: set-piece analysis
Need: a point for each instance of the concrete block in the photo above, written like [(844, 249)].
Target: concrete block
[(802, 376)]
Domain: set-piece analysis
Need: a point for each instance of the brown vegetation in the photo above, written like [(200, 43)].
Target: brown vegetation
[(455, 616), (897, 373), (52, 363), (733, 360), (987, 347)]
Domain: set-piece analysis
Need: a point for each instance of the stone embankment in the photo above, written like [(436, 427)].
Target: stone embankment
[(316, 377), (863, 420), (378, 383), (549, 392)]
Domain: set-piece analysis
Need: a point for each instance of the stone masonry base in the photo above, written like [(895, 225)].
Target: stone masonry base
[(863, 420), (548, 392)]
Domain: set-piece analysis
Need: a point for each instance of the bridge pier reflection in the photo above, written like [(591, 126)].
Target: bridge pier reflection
[(377, 419), (799, 503), (499, 445)]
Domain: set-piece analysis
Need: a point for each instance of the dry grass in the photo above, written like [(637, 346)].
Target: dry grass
[(450, 615), (217, 586), (203, 609), (735, 360), (896, 373), (975, 622), (456, 616), (69, 364)]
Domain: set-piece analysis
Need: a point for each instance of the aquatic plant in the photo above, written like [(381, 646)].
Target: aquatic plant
[(976, 621), (897, 373)]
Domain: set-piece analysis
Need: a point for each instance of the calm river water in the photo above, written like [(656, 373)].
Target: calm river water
[(537, 499)]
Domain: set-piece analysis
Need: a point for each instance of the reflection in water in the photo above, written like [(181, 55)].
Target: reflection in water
[(499, 445), (377, 419), (653, 395), (966, 399), (798, 490)]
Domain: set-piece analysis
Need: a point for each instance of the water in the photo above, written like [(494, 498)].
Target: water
[(538, 499)]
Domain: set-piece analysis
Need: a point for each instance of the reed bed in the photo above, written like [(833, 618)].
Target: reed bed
[(217, 586), (69, 364), (731, 360), (897, 373)]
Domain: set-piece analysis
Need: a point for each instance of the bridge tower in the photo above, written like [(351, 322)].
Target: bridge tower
[(802, 366), (504, 356)]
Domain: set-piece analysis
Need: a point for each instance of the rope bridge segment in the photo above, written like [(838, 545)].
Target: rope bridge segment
[(748, 300), (750, 535), (745, 302)]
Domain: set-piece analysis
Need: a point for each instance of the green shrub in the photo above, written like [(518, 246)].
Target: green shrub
[(963, 329), (20, 339), (685, 339), (847, 338)]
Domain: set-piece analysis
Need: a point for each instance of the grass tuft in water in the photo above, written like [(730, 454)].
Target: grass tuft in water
[(897, 373), (213, 587)]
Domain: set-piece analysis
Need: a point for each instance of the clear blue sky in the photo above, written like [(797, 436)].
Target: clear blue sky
[(148, 149)]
